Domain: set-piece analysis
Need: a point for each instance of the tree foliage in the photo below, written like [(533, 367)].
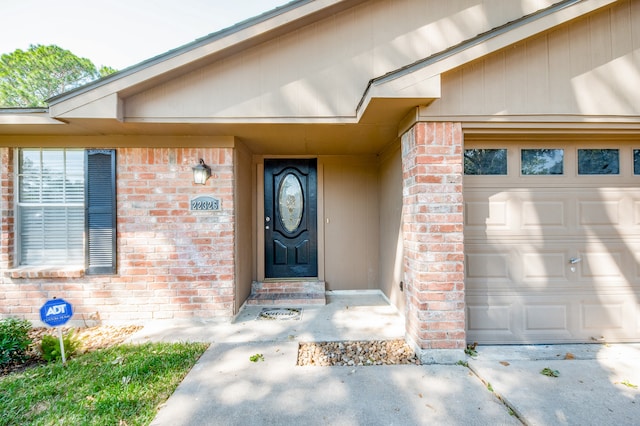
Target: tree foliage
[(485, 161), (28, 78)]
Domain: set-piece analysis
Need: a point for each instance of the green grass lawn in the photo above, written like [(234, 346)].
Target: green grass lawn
[(121, 385)]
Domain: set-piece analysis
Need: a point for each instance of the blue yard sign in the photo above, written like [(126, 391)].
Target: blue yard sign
[(56, 312)]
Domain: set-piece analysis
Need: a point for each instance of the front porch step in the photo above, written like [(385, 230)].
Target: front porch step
[(281, 293)]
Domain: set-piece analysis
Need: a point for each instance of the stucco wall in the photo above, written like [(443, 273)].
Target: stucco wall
[(323, 68), (351, 222), (391, 244), (244, 195), (586, 67), (172, 262)]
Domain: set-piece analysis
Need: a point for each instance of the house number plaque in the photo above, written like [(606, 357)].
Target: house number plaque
[(204, 203)]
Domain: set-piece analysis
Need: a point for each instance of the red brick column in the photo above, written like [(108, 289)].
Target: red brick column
[(433, 241)]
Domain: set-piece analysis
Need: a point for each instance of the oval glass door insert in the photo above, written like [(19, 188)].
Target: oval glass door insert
[(290, 202)]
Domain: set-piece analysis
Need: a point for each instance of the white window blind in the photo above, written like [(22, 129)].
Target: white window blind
[(51, 207)]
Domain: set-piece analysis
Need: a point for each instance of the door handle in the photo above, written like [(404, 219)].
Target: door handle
[(573, 261), (267, 219)]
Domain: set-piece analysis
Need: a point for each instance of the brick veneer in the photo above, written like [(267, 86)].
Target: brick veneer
[(172, 263), (433, 240)]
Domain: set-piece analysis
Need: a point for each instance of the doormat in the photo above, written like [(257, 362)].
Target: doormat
[(280, 314)]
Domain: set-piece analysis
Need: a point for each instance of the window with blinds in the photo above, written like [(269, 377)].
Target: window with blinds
[(51, 206), (67, 208)]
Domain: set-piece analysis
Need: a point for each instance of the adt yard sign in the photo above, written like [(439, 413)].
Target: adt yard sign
[(56, 312)]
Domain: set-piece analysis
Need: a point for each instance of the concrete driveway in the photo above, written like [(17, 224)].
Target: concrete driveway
[(502, 385)]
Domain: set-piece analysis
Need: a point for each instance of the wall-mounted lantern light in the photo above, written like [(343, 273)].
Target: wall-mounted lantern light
[(201, 173)]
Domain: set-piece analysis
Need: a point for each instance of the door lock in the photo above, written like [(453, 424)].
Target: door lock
[(267, 219), (573, 262)]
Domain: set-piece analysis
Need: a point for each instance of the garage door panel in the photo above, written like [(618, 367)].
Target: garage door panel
[(554, 258), (545, 317), (545, 266), (506, 318), (486, 213), (488, 266), (552, 318), (507, 265), (489, 318), (604, 266), (544, 213), (539, 265), (636, 213), (569, 212), (599, 213), (596, 316)]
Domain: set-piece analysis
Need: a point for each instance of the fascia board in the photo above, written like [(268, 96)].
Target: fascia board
[(110, 106), (24, 117), (414, 86)]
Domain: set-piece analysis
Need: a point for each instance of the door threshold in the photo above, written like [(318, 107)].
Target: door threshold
[(290, 279)]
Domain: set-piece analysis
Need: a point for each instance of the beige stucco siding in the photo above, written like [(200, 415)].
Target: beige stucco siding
[(587, 67), (244, 195), (351, 222), (391, 243), (323, 69)]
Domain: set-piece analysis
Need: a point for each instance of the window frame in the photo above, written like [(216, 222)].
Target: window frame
[(101, 179)]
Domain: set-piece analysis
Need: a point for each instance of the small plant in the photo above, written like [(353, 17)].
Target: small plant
[(549, 372), (471, 350), (14, 339), (256, 358), (628, 384), (463, 363), (50, 346)]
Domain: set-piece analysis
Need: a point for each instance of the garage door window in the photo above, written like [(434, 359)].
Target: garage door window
[(542, 161), (485, 161), (598, 162)]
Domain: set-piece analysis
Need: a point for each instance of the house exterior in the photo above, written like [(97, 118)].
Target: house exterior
[(476, 161)]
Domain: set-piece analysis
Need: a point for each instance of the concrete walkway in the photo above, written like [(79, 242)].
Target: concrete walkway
[(226, 388)]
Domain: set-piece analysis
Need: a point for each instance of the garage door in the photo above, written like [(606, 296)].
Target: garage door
[(552, 242)]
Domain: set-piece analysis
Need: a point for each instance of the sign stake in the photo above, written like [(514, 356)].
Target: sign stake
[(64, 359)]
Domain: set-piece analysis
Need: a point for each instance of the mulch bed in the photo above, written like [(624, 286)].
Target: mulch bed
[(92, 338)]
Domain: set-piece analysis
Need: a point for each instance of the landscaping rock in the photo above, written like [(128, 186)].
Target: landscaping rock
[(359, 353)]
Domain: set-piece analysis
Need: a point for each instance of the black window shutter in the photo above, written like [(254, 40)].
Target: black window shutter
[(100, 211)]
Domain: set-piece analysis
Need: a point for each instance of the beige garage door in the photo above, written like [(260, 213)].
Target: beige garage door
[(552, 241)]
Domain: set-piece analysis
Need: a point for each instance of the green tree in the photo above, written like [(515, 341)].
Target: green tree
[(28, 78)]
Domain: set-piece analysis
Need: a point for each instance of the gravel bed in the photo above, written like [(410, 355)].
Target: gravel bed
[(356, 353)]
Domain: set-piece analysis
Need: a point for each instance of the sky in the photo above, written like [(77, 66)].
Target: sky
[(119, 33)]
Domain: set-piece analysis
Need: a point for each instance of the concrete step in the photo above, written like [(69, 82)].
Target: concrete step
[(287, 292)]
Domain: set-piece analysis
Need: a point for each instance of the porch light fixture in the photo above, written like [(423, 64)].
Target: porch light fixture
[(201, 173)]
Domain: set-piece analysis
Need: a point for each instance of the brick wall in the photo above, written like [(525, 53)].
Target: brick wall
[(172, 263), (433, 240), (6, 207)]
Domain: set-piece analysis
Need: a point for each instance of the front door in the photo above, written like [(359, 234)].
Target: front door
[(290, 215)]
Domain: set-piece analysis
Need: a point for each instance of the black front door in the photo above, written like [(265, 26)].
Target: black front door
[(290, 218)]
